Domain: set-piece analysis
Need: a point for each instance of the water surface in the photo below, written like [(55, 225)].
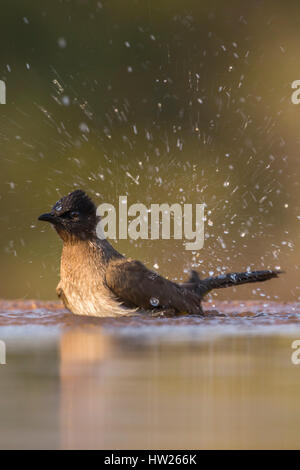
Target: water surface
[(222, 381)]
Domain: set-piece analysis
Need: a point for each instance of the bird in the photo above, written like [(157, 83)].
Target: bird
[(97, 280)]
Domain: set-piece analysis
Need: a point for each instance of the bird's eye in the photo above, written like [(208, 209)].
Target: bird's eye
[(74, 214)]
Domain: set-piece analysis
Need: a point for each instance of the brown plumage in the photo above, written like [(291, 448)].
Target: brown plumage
[(97, 280)]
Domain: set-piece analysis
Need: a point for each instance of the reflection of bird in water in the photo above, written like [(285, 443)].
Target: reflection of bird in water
[(84, 345), (97, 280)]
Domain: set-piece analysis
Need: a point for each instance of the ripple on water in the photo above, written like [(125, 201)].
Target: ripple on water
[(222, 318)]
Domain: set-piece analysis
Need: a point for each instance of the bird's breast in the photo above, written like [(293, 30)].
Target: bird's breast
[(82, 286)]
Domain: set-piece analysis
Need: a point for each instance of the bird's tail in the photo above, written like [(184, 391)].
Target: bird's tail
[(231, 279)]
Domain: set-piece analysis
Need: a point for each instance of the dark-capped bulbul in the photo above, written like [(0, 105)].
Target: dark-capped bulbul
[(97, 280)]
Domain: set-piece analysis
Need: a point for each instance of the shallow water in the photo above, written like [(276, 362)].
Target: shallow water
[(222, 381)]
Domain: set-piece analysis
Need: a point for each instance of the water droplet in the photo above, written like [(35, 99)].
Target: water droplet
[(84, 127), (65, 100), (154, 302), (62, 42)]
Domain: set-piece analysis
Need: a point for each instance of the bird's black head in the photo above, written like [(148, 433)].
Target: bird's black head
[(73, 216)]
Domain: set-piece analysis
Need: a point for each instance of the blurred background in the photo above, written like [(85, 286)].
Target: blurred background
[(169, 101)]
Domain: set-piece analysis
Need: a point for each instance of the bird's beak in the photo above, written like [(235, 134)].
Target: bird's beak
[(48, 218)]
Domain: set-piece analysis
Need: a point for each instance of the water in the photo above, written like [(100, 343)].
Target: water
[(223, 381)]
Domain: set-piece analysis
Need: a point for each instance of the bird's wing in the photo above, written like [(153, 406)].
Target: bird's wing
[(136, 285)]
